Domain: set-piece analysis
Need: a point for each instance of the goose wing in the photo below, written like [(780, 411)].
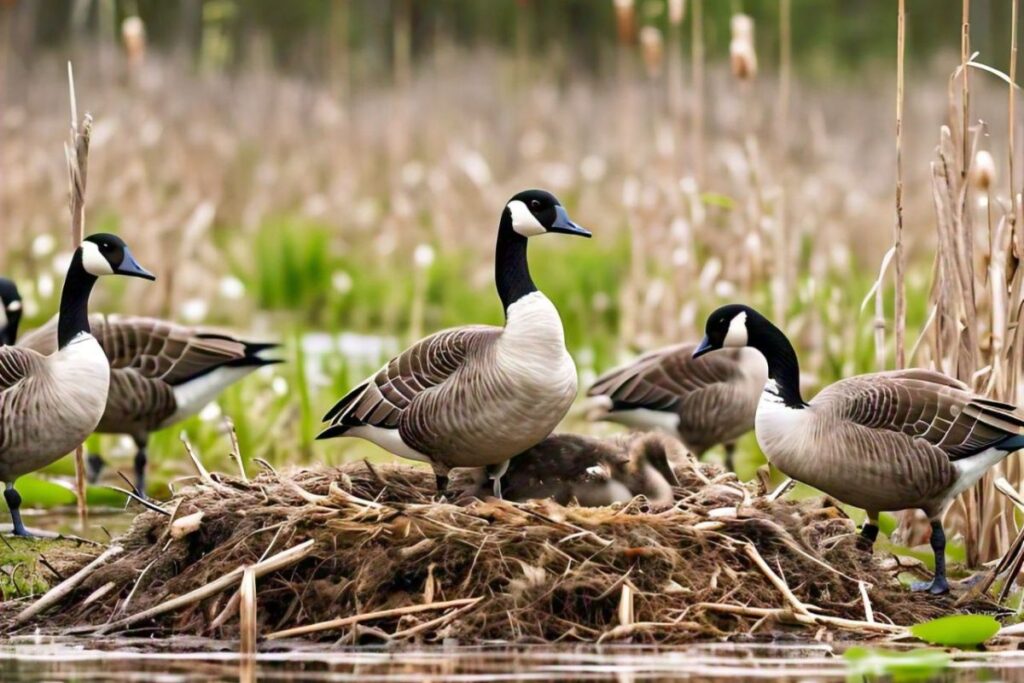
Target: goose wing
[(17, 364), (381, 400), (661, 379), (155, 349), (923, 405)]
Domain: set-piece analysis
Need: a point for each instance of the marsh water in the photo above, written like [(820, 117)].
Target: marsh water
[(138, 659)]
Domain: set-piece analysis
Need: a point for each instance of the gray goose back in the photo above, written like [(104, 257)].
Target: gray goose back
[(703, 401)]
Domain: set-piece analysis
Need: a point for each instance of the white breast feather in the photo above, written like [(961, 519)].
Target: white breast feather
[(781, 431), (532, 347)]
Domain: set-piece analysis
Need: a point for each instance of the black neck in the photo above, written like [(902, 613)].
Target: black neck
[(74, 302), (783, 366), (10, 333), (511, 272)]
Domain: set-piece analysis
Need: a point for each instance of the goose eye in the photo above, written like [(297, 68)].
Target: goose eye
[(534, 204)]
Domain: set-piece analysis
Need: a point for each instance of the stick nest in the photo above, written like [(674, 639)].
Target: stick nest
[(725, 561)]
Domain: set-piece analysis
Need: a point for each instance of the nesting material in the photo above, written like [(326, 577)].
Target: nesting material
[(362, 553)]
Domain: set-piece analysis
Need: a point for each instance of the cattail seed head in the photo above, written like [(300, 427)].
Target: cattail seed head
[(983, 172), (743, 59), (742, 27), (133, 35), (676, 11), (653, 49), (625, 20), (742, 55)]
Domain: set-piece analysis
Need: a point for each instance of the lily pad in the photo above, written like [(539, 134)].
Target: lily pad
[(958, 630), (908, 665)]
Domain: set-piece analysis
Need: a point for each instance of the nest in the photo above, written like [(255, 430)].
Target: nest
[(362, 553)]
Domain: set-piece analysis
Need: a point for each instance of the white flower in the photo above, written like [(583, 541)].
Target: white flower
[(231, 287), (279, 386), (423, 256), (44, 285), (341, 281), (593, 168), (43, 245), (194, 310), (210, 413)]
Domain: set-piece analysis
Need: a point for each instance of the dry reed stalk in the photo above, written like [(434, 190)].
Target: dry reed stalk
[(697, 64), (901, 294), (76, 151), (62, 590), (281, 560), (248, 624), (674, 80), (965, 55), (335, 624), (1011, 107)]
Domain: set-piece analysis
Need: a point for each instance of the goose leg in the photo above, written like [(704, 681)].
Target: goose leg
[(94, 464), (496, 472), (938, 584), (869, 532), (13, 499), (730, 456), (440, 478), (141, 460)]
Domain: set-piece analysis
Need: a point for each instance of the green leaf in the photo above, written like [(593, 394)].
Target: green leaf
[(719, 200), (907, 665), (958, 630), (36, 492)]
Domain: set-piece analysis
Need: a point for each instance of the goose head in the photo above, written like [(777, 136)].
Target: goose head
[(731, 326), (106, 254), (10, 311), (535, 212), (736, 325)]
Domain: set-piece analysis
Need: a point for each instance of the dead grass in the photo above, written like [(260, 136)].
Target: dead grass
[(362, 554)]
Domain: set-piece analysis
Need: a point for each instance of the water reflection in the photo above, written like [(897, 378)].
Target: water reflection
[(186, 659)]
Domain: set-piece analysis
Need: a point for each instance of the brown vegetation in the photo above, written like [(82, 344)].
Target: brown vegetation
[(362, 553)]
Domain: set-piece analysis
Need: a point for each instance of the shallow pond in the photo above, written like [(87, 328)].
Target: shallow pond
[(30, 659)]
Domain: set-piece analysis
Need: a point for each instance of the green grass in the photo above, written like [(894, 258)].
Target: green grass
[(21, 572)]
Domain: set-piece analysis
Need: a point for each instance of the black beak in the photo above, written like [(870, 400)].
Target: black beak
[(704, 347), (130, 267), (564, 225)]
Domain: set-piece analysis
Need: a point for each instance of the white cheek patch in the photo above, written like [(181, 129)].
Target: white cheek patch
[(524, 222), (93, 261), (3, 318), (14, 306), (737, 334)]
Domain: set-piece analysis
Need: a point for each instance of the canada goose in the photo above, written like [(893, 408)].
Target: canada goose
[(883, 441), (701, 401), (477, 395), (161, 373), (591, 471), (10, 311), (49, 404)]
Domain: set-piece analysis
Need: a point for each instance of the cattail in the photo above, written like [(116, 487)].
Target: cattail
[(676, 10), (625, 20), (133, 34), (983, 173), (653, 48), (742, 27), (742, 55)]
